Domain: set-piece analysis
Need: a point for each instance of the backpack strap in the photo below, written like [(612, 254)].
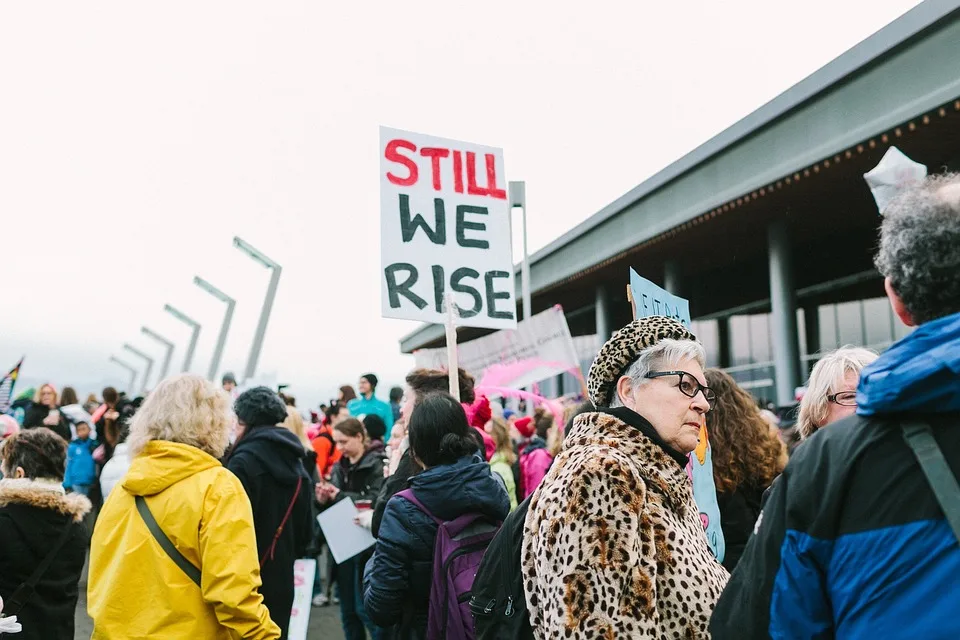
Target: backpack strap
[(407, 494), (178, 558), (268, 554), (919, 436), (27, 590)]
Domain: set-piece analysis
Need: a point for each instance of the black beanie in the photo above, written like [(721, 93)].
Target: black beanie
[(372, 379), (259, 407)]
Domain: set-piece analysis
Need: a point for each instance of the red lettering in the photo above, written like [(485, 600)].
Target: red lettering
[(393, 155), (435, 154), (472, 187), (457, 172), (492, 189)]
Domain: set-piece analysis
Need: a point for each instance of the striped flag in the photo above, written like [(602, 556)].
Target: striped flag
[(6, 387)]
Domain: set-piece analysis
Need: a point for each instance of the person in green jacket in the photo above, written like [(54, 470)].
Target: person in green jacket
[(368, 403), (504, 457)]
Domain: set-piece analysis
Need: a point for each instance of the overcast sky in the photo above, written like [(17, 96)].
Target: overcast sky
[(136, 139)]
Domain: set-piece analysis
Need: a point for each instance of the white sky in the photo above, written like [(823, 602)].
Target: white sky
[(136, 139)]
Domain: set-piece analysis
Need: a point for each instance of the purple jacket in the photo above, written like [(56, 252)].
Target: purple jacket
[(535, 461)]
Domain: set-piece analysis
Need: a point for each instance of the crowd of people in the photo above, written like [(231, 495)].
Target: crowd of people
[(195, 501)]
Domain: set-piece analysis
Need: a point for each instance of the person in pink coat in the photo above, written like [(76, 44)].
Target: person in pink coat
[(479, 414), (535, 460)]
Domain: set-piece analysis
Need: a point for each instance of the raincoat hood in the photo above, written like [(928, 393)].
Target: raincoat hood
[(276, 448), (919, 373), (162, 464), (466, 486)]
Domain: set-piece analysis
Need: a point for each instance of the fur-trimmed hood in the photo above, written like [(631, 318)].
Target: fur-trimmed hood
[(44, 494)]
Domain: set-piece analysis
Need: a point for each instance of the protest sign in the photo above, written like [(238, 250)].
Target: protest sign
[(304, 571), (344, 537), (445, 227), (650, 300), (700, 471), (539, 348)]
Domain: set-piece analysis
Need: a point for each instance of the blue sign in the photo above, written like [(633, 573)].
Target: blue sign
[(650, 300)]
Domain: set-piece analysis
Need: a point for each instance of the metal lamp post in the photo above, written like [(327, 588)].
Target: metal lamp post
[(224, 328), (133, 372), (149, 361), (193, 324), (165, 367), (267, 303)]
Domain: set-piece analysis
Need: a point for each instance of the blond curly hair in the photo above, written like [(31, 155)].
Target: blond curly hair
[(186, 409)]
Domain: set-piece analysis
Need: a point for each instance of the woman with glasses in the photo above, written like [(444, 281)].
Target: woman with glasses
[(832, 390), (613, 544)]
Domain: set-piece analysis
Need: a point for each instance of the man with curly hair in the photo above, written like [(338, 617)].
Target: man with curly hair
[(853, 541)]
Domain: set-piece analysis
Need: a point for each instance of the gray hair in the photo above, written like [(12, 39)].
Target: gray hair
[(826, 376), (920, 247), (666, 354)]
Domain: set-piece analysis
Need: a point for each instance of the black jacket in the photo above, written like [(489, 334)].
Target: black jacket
[(399, 481), (35, 415), (739, 511), (268, 461), (360, 481), (397, 582), (32, 518)]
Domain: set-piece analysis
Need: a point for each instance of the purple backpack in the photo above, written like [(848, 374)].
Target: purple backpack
[(457, 552)]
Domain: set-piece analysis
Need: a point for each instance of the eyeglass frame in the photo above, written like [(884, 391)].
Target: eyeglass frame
[(700, 388), (833, 398)]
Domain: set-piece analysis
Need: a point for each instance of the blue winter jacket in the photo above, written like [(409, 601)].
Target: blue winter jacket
[(81, 467), (362, 406), (852, 543), (398, 577)]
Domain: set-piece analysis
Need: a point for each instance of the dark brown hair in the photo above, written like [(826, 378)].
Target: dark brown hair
[(68, 397), (543, 420), (352, 427), (426, 381), (744, 450), (348, 394), (40, 452), (110, 395)]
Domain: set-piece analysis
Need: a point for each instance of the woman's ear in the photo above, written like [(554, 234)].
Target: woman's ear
[(19, 473), (624, 389)]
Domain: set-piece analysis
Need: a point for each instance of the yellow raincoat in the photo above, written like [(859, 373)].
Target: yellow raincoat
[(137, 592)]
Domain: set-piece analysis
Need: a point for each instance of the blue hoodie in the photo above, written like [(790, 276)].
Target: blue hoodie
[(400, 574), (921, 372), (81, 467)]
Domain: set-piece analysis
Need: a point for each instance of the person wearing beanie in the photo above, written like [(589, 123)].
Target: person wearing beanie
[(268, 460), (479, 414), (369, 403), (614, 518), (525, 428)]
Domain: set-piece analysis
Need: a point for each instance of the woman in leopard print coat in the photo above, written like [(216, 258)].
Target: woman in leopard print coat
[(613, 543)]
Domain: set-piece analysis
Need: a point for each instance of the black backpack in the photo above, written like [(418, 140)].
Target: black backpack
[(497, 601)]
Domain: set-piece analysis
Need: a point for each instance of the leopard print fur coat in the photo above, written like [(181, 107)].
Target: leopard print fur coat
[(613, 543)]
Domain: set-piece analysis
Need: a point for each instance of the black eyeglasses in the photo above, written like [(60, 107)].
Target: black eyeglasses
[(688, 385), (844, 398)]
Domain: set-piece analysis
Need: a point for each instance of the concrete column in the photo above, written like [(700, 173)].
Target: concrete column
[(559, 385), (783, 319), (673, 277), (602, 309), (811, 329), (723, 337)]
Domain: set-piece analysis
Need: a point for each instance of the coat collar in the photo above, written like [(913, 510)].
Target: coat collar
[(633, 437), (43, 494)]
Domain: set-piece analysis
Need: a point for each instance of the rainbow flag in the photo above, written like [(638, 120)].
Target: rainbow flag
[(6, 387)]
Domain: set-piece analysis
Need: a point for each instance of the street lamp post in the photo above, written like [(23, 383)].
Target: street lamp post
[(224, 328), (165, 368), (193, 324), (133, 372), (149, 361), (267, 303)]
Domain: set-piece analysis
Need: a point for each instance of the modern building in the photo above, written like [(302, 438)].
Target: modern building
[(769, 228)]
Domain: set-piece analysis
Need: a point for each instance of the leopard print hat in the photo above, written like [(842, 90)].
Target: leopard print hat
[(622, 349)]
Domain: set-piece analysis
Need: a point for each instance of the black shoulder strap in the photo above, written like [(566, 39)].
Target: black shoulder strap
[(26, 590), (192, 572), (944, 484)]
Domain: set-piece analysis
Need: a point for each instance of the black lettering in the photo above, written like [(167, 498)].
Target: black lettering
[(458, 275), (493, 296), (408, 226), (438, 286), (395, 290), (463, 226), (656, 307), (644, 306)]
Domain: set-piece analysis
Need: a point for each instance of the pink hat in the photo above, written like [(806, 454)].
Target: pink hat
[(8, 426), (525, 426)]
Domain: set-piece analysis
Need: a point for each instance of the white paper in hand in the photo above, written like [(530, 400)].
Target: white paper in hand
[(9, 624), (894, 172), (344, 538)]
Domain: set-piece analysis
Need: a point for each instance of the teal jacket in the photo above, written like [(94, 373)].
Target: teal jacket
[(361, 407)]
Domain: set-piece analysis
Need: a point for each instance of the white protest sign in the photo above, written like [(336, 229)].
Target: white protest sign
[(345, 538), (543, 342), (650, 300), (304, 571), (444, 227)]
